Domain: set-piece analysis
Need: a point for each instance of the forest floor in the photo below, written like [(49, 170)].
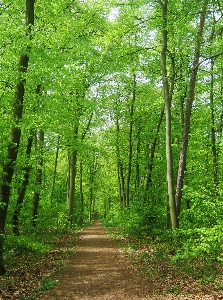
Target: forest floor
[(96, 268)]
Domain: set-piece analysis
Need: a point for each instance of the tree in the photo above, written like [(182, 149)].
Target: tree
[(168, 98), (39, 171), (131, 113), (8, 167), (190, 99), (55, 170), (22, 189)]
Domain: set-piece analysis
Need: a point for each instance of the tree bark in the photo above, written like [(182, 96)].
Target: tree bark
[(190, 99), (121, 178), (73, 173), (129, 171), (91, 198), (81, 218), (8, 167), (22, 190), (39, 172), (55, 171), (137, 164), (167, 98), (213, 133), (152, 154)]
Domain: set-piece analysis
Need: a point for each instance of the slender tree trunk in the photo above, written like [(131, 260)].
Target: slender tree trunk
[(221, 94), (93, 169), (152, 155), (137, 165), (167, 98), (73, 173), (168, 219), (8, 167), (39, 172), (121, 178), (81, 216), (213, 133), (129, 171), (91, 192), (81, 220), (22, 189), (55, 171), (190, 99), (68, 177)]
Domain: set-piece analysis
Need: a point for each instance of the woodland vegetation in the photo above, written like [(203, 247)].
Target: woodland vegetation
[(112, 110)]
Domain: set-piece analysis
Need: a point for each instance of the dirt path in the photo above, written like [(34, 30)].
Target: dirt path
[(98, 270)]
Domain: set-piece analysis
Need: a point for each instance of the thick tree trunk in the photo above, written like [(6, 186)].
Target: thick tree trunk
[(190, 99), (22, 189), (8, 167), (39, 172), (167, 98)]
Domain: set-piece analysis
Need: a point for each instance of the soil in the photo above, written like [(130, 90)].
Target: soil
[(98, 270)]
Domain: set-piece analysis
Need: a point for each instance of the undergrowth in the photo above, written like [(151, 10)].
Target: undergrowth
[(33, 260), (175, 261)]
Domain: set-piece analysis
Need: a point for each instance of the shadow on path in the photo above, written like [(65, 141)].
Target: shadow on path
[(98, 270)]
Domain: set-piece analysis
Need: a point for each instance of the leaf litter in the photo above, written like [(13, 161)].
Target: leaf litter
[(30, 276)]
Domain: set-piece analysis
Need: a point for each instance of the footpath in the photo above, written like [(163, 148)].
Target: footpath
[(99, 270)]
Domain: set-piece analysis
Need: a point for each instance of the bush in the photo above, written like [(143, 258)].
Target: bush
[(200, 242), (24, 244)]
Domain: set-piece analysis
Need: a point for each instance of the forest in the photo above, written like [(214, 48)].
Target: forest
[(112, 110)]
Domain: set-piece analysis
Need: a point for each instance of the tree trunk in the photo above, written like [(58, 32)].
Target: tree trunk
[(90, 203), (55, 170), (81, 219), (167, 98), (213, 133), (152, 155), (129, 171), (68, 177), (8, 167), (91, 192), (73, 172), (221, 95), (22, 189), (121, 178), (168, 221), (190, 99), (39, 172), (137, 164), (93, 169), (72, 183)]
